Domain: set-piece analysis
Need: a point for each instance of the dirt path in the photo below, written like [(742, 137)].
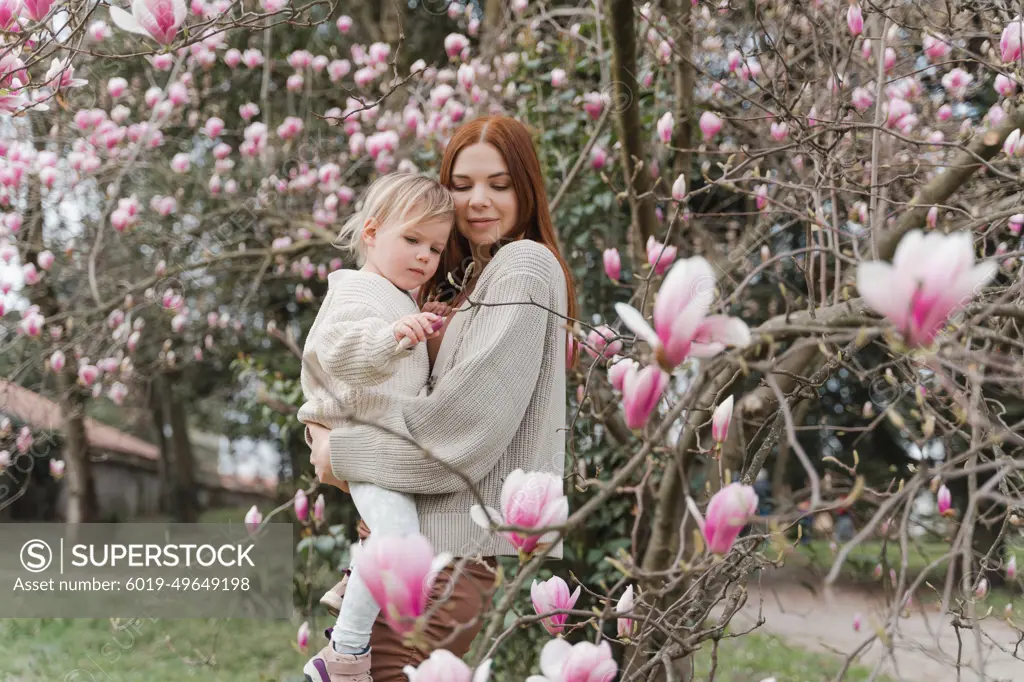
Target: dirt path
[(924, 649)]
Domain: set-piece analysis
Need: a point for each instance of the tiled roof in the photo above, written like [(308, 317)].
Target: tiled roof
[(42, 413)]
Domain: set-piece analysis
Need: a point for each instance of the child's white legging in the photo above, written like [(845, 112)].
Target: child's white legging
[(386, 513)]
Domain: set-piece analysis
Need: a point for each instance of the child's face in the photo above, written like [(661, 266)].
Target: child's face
[(408, 256)]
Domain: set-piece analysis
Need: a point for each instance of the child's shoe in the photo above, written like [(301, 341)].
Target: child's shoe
[(332, 598), (332, 666)]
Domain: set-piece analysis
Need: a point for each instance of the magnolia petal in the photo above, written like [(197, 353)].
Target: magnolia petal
[(126, 22), (410, 672), (552, 658), (483, 673), (480, 516), (440, 562), (875, 284), (731, 331), (632, 318)]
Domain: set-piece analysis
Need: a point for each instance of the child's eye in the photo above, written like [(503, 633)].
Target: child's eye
[(411, 240), (435, 250)]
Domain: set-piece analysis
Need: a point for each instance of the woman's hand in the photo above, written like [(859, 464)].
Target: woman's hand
[(320, 456)]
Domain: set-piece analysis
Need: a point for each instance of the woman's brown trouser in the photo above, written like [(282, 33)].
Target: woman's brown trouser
[(469, 595)]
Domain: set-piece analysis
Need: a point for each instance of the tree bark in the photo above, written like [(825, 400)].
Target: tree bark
[(185, 503), (682, 81), (164, 466), (81, 505), (644, 222)]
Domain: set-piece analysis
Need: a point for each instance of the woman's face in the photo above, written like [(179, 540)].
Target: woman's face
[(486, 207)]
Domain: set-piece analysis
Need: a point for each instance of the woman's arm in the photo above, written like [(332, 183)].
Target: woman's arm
[(477, 406)]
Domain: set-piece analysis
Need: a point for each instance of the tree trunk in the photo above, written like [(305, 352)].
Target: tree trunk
[(164, 466), (81, 504), (682, 78), (625, 102), (185, 503)]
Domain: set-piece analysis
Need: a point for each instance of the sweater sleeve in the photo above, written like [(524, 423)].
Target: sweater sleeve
[(357, 346), (476, 408)]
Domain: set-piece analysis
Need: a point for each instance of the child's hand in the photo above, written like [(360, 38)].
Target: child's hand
[(438, 308), (418, 327)]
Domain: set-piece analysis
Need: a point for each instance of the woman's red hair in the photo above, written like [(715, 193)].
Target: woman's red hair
[(513, 140)]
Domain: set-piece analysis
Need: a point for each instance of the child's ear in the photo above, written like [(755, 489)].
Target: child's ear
[(370, 227)]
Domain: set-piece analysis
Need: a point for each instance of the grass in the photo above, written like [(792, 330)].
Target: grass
[(861, 562), (262, 651), (754, 657), (211, 650)]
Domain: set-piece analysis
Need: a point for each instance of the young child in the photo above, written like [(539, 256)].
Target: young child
[(363, 351)]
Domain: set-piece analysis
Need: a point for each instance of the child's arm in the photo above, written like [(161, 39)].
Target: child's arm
[(357, 346)]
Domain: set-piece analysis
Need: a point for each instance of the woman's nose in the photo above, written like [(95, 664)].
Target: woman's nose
[(479, 196)]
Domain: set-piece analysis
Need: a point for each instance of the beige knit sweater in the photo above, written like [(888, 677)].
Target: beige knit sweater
[(353, 342), (498, 404)]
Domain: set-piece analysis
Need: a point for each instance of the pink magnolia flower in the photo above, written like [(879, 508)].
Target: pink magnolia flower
[(158, 19), (180, 163), (24, 440), (935, 47), (679, 188), (454, 44), (944, 501), (602, 342), (956, 82), (118, 392), (858, 621), (612, 264), (598, 157), (862, 99), (534, 500), (399, 572), (761, 197), (214, 126), (583, 662), (1005, 86), (666, 124), (1010, 41), (641, 391), (721, 419), (57, 361), (233, 57), (30, 274), (57, 468), (253, 519), (61, 74), (252, 58), (38, 9), (896, 110), (1011, 568), (87, 374), (593, 104), (444, 666), (319, 508), (710, 124), (551, 595), (620, 369), (117, 86), (932, 275), (625, 626), (344, 23), (660, 256), (981, 591), (8, 13), (301, 505), (5, 459), (931, 218), (302, 636), (855, 19), (779, 131), (682, 327), (558, 78), (1014, 144), (99, 31), (727, 514)]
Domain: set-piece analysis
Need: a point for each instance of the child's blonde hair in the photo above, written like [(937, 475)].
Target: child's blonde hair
[(391, 198)]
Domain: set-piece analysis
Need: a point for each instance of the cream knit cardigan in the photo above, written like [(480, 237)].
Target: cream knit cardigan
[(498, 405), (352, 341)]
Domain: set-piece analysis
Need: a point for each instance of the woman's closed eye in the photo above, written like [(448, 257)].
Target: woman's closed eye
[(411, 240)]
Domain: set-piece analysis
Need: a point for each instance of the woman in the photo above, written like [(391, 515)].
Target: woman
[(498, 397)]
